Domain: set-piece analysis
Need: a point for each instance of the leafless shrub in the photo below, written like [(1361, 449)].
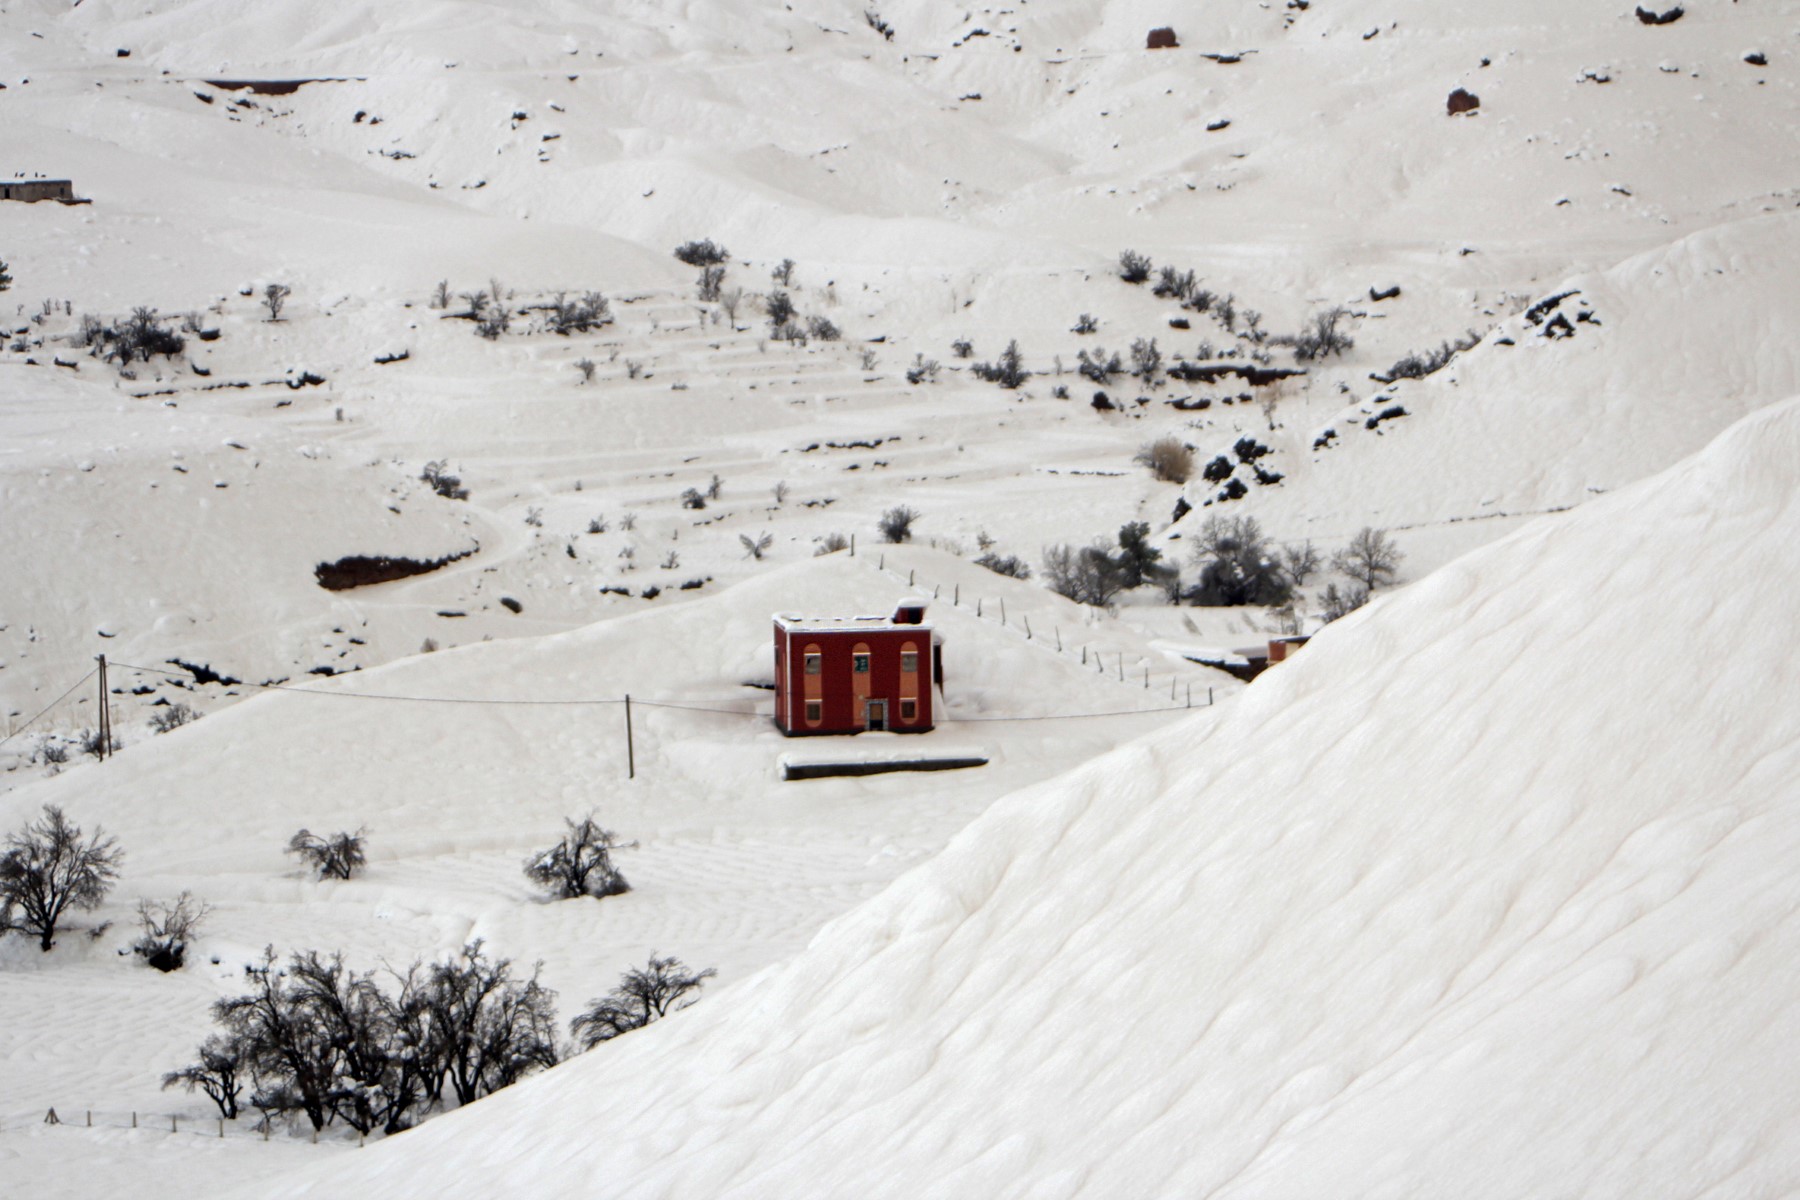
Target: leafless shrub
[(1169, 459), (642, 997), (712, 280), (1322, 337), (756, 547), (168, 926), (897, 522), (171, 716), (337, 857), (831, 543), (586, 367), (923, 370), (581, 863), (703, 253), (1134, 267)]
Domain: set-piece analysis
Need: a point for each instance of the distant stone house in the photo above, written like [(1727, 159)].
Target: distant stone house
[(850, 674), (30, 191)]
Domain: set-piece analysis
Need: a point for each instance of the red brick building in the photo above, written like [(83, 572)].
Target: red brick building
[(848, 674)]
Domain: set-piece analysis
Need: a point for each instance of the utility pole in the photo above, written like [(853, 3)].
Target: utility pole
[(105, 712), (630, 751)]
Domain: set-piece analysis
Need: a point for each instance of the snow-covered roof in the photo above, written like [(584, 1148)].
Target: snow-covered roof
[(798, 624)]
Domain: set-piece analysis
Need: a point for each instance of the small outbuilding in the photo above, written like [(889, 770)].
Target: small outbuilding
[(30, 191), (848, 674)]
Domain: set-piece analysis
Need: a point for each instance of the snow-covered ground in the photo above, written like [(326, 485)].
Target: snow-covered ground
[(1319, 914)]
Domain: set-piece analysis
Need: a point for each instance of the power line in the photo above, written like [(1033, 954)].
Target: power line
[(27, 725), (697, 708)]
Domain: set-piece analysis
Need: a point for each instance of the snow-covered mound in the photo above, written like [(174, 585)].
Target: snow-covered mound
[(1489, 892)]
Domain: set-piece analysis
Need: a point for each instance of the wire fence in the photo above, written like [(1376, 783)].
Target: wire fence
[(247, 1126)]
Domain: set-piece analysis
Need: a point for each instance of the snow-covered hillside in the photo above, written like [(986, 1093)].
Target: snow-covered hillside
[(1370, 901), (1488, 893)]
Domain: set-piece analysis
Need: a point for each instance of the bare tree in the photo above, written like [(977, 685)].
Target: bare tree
[(1300, 561), (712, 278), (586, 367), (168, 927), (730, 299), (1238, 564), (274, 299), (581, 864), (897, 522), (49, 869), (220, 1073), (643, 996), (1370, 558), (1084, 574), (1335, 604), (783, 272), (483, 1029), (337, 857)]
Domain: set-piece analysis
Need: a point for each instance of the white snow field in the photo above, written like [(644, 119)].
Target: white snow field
[(1485, 894), (1488, 893)]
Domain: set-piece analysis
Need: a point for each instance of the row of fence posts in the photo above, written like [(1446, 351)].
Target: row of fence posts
[(50, 1118), (956, 599)]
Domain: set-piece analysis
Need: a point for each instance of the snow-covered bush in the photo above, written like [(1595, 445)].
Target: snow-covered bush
[(581, 864), (171, 716), (1237, 564), (1134, 267), (437, 476), (168, 926)]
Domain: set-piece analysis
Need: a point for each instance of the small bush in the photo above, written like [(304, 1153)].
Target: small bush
[(711, 284), (897, 522), (168, 927), (1098, 366), (1218, 470), (923, 370), (780, 308), (1146, 359), (274, 299), (1005, 564), (437, 476), (1322, 337), (171, 716), (1086, 323), (703, 253), (1134, 267), (581, 863), (963, 348), (1173, 283), (758, 546), (1008, 371), (693, 499), (337, 857), (642, 997), (831, 543), (587, 312), (822, 329), (1419, 364), (1335, 604), (586, 367), (1169, 459)]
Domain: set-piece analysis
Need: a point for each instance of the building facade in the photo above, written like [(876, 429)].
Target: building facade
[(32, 190), (849, 674)]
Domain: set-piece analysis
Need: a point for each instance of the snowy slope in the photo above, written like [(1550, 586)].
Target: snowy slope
[(1488, 893), (735, 869)]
